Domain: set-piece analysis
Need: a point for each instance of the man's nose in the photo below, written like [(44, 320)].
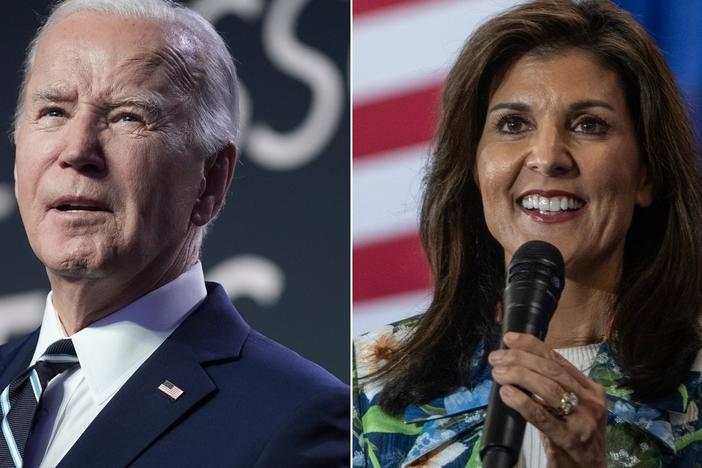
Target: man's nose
[(550, 154), (83, 150)]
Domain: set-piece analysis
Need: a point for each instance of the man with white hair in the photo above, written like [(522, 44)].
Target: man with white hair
[(125, 137)]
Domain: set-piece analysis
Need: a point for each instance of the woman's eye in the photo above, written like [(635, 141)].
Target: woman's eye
[(591, 126), (512, 124)]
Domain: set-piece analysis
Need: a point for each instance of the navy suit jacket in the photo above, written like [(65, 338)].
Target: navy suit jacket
[(247, 402)]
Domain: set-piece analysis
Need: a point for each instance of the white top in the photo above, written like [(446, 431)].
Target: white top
[(110, 351), (533, 455)]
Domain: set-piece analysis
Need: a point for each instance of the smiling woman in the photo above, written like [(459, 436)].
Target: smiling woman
[(558, 160), (560, 122)]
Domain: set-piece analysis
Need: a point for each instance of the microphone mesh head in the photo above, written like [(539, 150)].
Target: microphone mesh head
[(537, 260)]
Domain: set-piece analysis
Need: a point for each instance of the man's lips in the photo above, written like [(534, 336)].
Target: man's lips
[(72, 203)]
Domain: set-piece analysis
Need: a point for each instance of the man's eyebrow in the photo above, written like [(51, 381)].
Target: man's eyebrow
[(151, 104), (148, 103), (53, 95), (517, 106)]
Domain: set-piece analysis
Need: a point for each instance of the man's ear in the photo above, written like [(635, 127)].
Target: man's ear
[(215, 184)]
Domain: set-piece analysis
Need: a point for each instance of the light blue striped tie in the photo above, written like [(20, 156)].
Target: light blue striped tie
[(20, 399)]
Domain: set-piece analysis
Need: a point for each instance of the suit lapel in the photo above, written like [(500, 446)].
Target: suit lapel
[(16, 357), (139, 413)]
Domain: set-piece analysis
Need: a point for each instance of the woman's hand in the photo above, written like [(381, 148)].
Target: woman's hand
[(577, 439)]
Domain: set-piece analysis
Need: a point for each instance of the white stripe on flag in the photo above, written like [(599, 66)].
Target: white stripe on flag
[(386, 191), (369, 315), (409, 46)]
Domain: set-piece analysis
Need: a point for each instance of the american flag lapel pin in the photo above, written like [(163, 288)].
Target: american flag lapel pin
[(170, 389)]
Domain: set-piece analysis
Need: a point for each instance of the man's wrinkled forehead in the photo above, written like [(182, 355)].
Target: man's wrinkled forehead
[(145, 49), (176, 59), (167, 64), (158, 68)]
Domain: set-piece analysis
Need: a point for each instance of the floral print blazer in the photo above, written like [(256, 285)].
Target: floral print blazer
[(445, 432)]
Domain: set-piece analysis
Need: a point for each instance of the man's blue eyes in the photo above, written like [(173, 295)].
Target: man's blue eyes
[(59, 113), (55, 113), (129, 118)]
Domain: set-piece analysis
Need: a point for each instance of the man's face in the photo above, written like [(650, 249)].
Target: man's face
[(103, 182)]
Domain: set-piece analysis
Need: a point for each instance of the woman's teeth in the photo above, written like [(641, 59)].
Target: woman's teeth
[(551, 204)]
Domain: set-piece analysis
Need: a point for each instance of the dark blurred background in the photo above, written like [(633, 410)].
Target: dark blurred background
[(281, 247)]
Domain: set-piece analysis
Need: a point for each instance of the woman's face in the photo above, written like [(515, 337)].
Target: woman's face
[(558, 160)]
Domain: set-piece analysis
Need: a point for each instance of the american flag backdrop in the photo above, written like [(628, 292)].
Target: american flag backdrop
[(402, 50)]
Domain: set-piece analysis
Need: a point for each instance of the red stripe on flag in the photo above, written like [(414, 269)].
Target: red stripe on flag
[(361, 7), (395, 122), (393, 266)]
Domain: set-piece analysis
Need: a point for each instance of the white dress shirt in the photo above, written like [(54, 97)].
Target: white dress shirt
[(110, 351)]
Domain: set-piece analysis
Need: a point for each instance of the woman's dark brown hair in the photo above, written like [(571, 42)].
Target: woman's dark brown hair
[(654, 331)]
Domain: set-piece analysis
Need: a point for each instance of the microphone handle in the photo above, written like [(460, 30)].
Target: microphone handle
[(498, 457), (504, 427)]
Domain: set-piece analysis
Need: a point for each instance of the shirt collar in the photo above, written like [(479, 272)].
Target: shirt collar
[(112, 348)]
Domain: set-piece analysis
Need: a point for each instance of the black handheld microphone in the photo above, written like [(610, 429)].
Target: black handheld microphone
[(535, 279)]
